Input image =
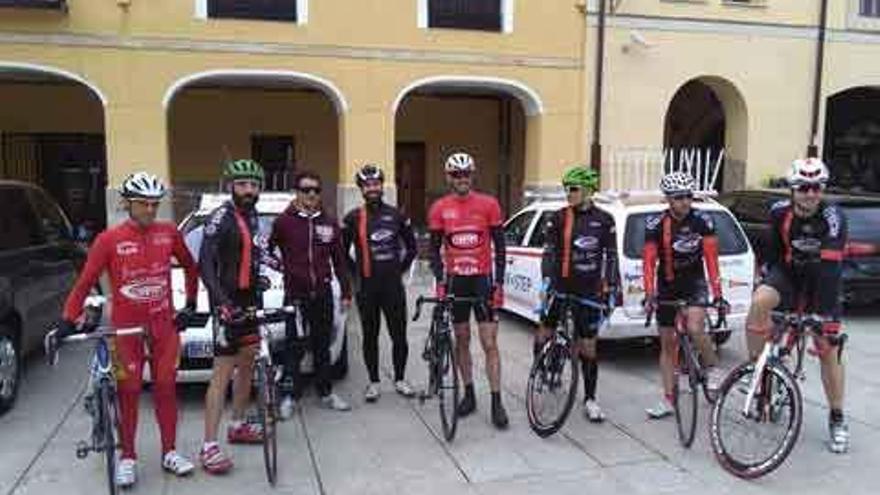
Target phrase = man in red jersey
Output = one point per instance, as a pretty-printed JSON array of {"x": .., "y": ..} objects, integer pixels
[
  {"x": 137, "y": 256},
  {"x": 467, "y": 224}
]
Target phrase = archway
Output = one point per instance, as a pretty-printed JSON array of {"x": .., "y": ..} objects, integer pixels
[{"x": 852, "y": 139}]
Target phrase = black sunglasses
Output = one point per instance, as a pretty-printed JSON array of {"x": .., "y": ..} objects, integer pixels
[
  {"x": 679, "y": 197},
  {"x": 460, "y": 174},
  {"x": 805, "y": 188},
  {"x": 573, "y": 189},
  {"x": 310, "y": 190}
]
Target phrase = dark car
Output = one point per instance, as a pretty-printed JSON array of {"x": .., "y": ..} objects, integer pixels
[
  {"x": 39, "y": 260},
  {"x": 861, "y": 268}
]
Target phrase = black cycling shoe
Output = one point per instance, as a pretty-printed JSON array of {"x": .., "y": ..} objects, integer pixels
[
  {"x": 467, "y": 405},
  {"x": 499, "y": 415}
]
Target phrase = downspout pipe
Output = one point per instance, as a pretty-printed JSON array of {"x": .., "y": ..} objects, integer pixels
[
  {"x": 596, "y": 144},
  {"x": 813, "y": 148}
]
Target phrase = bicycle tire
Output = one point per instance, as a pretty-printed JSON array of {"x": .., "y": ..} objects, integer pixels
[
  {"x": 777, "y": 378},
  {"x": 107, "y": 411},
  {"x": 447, "y": 383},
  {"x": 685, "y": 400},
  {"x": 552, "y": 359},
  {"x": 268, "y": 419}
]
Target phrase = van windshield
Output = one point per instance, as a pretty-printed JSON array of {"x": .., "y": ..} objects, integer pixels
[{"x": 731, "y": 240}]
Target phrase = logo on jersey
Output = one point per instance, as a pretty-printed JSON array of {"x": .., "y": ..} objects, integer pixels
[
  {"x": 466, "y": 240},
  {"x": 127, "y": 248},
  {"x": 145, "y": 290},
  {"x": 833, "y": 219},
  {"x": 586, "y": 243},
  {"x": 687, "y": 244},
  {"x": 324, "y": 233},
  {"x": 162, "y": 240},
  {"x": 807, "y": 246},
  {"x": 381, "y": 235}
]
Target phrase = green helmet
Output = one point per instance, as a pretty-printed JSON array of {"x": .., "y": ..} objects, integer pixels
[
  {"x": 243, "y": 169},
  {"x": 581, "y": 176}
]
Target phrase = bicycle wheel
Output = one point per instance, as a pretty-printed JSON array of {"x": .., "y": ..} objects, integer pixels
[
  {"x": 106, "y": 408},
  {"x": 685, "y": 392},
  {"x": 268, "y": 419},
  {"x": 448, "y": 388},
  {"x": 753, "y": 444},
  {"x": 551, "y": 388}
]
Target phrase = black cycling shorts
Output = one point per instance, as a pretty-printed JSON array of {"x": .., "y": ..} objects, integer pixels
[
  {"x": 586, "y": 318},
  {"x": 793, "y": 292},
  {"x": 694, "y": 291},
  {"x": 476, "y": 286},
  {"x": 238, "y": 336}
]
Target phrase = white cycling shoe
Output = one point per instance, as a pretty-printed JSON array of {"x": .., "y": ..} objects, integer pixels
[
  {"x": 177, "y": 464},
  {"x": 126, "y": 473}
]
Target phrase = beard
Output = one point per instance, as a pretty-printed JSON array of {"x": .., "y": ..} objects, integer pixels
[
  {"x": 373, "y": 198},
  {"x": 245, "y": 201}
]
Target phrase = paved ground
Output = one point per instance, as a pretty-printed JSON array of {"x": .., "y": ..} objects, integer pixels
[{"x": 394, "y": 446}]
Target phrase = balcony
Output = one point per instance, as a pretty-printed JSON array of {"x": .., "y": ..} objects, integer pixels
[
  {"x": 264, "y": 10},
  {"x": 35, "y": 4}
]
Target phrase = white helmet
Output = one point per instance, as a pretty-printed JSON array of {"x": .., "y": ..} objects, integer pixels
[
  {"x": 807, "y": 171},
  {"x": 459, "y": 162},
  {"x": 142, "y": 185},
  {"x": 677, "y": 183}
]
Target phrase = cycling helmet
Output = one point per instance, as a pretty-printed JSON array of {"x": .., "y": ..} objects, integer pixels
[
  {"x": 675, "y": 183},
  {"x": 369, "y": 172},
  {"x": 581, "y": 176},
  {"x": 142, "y": 185},
  {"x": 807, "y": 171},
  {"x": 244, "y": 169},
  {"x": 459, "y": 162}
]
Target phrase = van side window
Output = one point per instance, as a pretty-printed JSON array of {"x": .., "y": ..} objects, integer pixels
[
  {"x": 539, "y": 235},
  {"x": 53, "y": 226},
  {"x": 17, "y": 220},
  {"x": 516, "y": 228}
]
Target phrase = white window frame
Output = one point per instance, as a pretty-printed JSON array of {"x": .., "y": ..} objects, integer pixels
[
  {"x": 855, "y": 20},
  {"x": 302, "y": 11},
  {"x": 506, "y": 15}
]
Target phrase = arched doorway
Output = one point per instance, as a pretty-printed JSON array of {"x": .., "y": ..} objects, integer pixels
[
  {"x": 852, "y": 139},
  {"x": 288, "y": 121},
  {"x": 52, "y": 134},
  {"x": 486, "y": 117},
  {"x": 706, "y": 122}
]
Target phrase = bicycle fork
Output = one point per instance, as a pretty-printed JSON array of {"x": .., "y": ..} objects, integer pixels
[{"x": 758, "y": 372}]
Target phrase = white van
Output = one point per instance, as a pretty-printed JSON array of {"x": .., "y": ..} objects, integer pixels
[{"x": 524, "y": 232}]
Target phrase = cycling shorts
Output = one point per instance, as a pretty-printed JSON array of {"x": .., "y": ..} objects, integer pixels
[{"x": 472, "y": 286}]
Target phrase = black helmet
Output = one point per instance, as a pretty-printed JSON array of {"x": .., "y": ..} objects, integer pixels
[{"x": 369, "y": 172}]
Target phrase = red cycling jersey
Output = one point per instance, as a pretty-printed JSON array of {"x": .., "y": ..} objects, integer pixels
[
  {"x": 466, "y": 223},
  {"x": 138, "y": 261}
]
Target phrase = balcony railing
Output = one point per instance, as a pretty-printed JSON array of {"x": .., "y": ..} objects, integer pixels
[
  {"x": 869, "y": 8},
  {"x": 266, "y": 10},
  {"x": 35, "y": 4}
]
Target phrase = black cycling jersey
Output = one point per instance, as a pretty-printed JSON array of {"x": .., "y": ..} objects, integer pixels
[
  {"x": 580, "y": 251},
  {"x": 385, "y": 245},
  {"x": 229, "y": 241},
  {"x": 809, "y": 252}
]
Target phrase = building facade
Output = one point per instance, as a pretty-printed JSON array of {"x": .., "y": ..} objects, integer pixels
[{"x": 91, "y": 90}]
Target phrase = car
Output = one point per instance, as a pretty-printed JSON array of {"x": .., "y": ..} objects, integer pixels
[
  {"x": 39, "y": 261},
  {"x": 861, "y": 265},
  {"x": 197, "y": 343},
  {"x": 524, "y": 233}
]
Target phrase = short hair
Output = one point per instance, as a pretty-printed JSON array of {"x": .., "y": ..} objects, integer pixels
[{"x": 306, "y": 174}]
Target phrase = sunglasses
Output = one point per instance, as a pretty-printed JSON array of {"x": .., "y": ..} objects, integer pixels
[
  {"x": 310, "y": 190},
  {"x": 459, "y": 174},
  {"x": 807, "y": 188},
  {"x": 146, "y": 203},
  {"x": 680, "y": 197},
  {"x": 573, "y": 189}
]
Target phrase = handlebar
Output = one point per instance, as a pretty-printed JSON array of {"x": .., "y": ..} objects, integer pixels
[
  {"x": 679, "y": 304},
  {"x": 443, "y": 301},
  {"x": 256, "y": 316},
  {"x": 104, "y": 332}
]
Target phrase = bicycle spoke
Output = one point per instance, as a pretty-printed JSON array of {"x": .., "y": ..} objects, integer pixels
[{"x": 551, "y": 389}]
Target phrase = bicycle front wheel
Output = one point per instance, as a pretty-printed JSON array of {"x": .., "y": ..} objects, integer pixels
[
  {"x": 448, "y": 387},
  {"x": 685, "y": 393},
  {"x": 108, "y": 419},
  {"x": 752, "y": 442},
  {"x": 267, "y": 392},
  {"x": 551, "y": 388}
]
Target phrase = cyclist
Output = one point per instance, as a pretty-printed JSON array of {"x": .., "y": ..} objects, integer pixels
[
  {"x": 229, "y": 260},
  {"x": 804, "y": 260},
  {"x": 137, "y": 256},
  {"x": 580, "y": 258},
  {"x": 310, "y": 242},
  {"x": 677, "y": 243},
  {"x": 384, "y": 249},
  {"x": 466, "y": 224}
]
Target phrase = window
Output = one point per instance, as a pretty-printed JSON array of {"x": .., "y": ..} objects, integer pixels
[
  {"x": 35, "y": 4},
  {"x": 275, "y": 154},
  {"x": 540, "y": 233},
  {"x": 17, "y": 221},
  {"x": 869, "y": 8},
  {"x": 53, "y": 225},
  {"x": 483, "y": 15},
  {"x": 267, "y": 10},
  {"x": 730, "y": 238},
  {"x": 516, "y": 229}
]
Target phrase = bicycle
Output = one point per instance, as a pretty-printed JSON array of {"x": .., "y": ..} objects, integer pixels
[
  {"x": 100, "y": 402},
  {"x": 761, "y": 396},
  {"x": 439, "y": 354},
  {"x": 548, "y": 370},
  {"x": 685, "y": 400},
  {"x": 268, "y": 375}
]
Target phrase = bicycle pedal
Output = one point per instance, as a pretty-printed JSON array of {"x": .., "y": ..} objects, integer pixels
[
  {"x": 82, "y": 450},
  {"x": 423, "y": 396}
]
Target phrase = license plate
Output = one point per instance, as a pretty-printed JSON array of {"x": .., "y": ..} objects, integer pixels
[{"x": 199, "y": 350}]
